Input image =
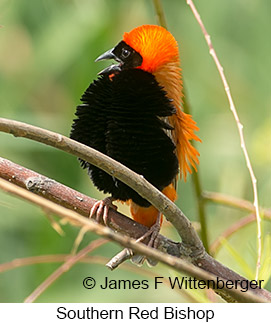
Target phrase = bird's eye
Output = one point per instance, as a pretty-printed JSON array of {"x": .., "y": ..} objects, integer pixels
[{"x": 125, "y": 53}]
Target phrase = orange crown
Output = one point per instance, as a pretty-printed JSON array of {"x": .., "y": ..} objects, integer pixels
[{"x": 155, "y": 44}]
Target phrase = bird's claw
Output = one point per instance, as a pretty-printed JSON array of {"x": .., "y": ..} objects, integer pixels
[
  {"x": 153, "y": 232},
  {"x": 100, "y": 209}
]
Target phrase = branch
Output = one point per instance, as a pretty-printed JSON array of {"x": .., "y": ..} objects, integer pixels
[
  {"x": 198, "y": 191},
  {"x": 258, "y": 295},
  {"x": 240, "y": 129},
  {"x": 75, "y": 200},
  {"x": 172, "y": 213},
  {"x": 160, "y": 13},
  {"x": 215, "y": 246},
  {"x": 235, "y": 202},
  {"x": 190, "y": 251},
  {"x": 90, "y": 259}
]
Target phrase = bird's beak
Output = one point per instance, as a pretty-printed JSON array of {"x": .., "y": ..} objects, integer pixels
[
  {"x": 107, "y": 55},
  {"x": 112, "y": 68}
]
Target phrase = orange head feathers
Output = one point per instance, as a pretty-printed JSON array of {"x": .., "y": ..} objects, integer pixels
[{"x": 155, "y": 44}]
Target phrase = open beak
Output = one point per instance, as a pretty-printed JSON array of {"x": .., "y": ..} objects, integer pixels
[{"x": 112, "y": 68}]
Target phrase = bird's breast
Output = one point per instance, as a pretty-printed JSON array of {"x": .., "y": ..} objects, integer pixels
[{"x": 123, "y": 117}]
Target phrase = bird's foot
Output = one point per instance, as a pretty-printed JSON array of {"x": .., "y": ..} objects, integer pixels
[
  {"x": 99, "y": 210},
  {"x": 153, "y": 233},
  {"x": 137, "y": 259}
]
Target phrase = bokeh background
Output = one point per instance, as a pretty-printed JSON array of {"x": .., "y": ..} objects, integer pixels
[{"x": 47, "y": 53}]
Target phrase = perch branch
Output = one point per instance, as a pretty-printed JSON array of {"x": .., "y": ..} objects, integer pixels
[
  {"x": 20, "y": 176},
  {"x": 172, "y": 213},
  {"x": 73, "y": 200},
  {"x": 240, "y": 129},
  {"x": 259, "y": 295}
]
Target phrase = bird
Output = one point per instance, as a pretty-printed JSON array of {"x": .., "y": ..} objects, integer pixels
[{"x": 133, "y": 113}]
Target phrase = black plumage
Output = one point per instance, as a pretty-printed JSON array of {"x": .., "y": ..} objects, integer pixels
[{"x": 124, "y": 117}]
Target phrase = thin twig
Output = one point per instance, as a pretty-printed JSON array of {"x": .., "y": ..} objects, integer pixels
[
  {"x": 21, "y": 262},
  {"x": 160, "y": 13},
  {"x": 27, "y": 261},
  {"x": 118, "y": 259},
  {"x": 215, "y": 246},
  {"x": 240, "y": 129},
  {"x": 235, "y": 202},
  {"x": 63, "y": 268},
  {"x": 198, "y": 190},
  {"x": 195, "y": 175},
  {"x": 78, "y": 240},
  {"x": 41, "y": 259}
]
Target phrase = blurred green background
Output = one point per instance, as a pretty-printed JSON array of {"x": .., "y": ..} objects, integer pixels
[{"x": 47, "y": 53}]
